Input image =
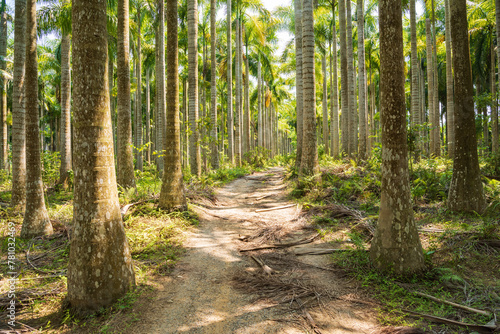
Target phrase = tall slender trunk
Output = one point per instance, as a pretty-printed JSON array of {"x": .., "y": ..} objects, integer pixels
[
  {"x": 125, "y": 154},
  {"x": 3, "y": 89},
  {"x": 172, "y": 190},
  {"x": 344, "y": 79},
  {"x": 424, "y": 134},
  {"x": 435, "y": 121},
  {"x": 430, "y": 88},
  {"x": 415, "y": 99},
  {"x": 36, "y": 219},
  {"x": 204, "y": 113},
  {"x": 148, "y": 116},
  {"x": 334, "y": 104},
  {"x": 246, "y": 123},
  {"x": 100, "y": 269},
  {"x": 213, "y": 87},
  {"x": 65, "y": 138},
  {"x": 396, "y": 245},
  {"x": 494, "y": 114},
  {"x": 299, "y": 90},
  {"x": 466, "y": 189},
  {"x": 138, "y": 100},
  {"x": 450, "y": 118},
  {"x": 230, "y": 121},
  {"x": 18, "y": 110},
  {"x": 160, "y": 86},
  {"x": 351, "y": 72},
  {"x": 237, "y": 103},
  {"x": 309, "y": 161},
  {"x": 325, "y": 104},
  {"x": 194, "y": 139},
  {"x": 361, "y": 81},
  {"x": 260, "y": 121}
]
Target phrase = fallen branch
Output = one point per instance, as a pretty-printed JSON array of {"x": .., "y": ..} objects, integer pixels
[
  {"x": 262, "y": 197},
  {"x": 265, "y": 268},
  {"x": 463, "y": 307},
  {"x": 477, "y": 328},
  {"x": 284, "y": 245},
  {"x": 318, "y": 251},
  {"x": 276, "y": 208}
]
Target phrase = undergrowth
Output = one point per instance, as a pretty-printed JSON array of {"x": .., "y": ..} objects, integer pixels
[{"x": 461, "y": 250}]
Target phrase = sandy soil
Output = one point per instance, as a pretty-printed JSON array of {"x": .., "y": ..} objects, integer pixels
[{"x": 201, "y": 295}]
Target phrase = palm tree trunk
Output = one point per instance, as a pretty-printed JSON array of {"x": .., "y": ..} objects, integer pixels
[
  {"x": 325, "y": 104},
  {"x": 213, "y": 87},
  {"x": 334, "y": 104},
  {"x": 194, "y": 139},
  {"x": 246, "y": 123},
  {"x": 344, "y": 78},
  {"x": 466, "y": 190},
  {"x": 138, "y": 100},
  {"x": 65, "y": 138},
  {"x": 361, "y": 81},
  {"x": 309, "y": 161},
  {"x": 494, "y": 107},
  {"x": 415, "y": 100},
  {"x": 230, "y": 121},
  {"x": 237, "y": 104},
  {"x": 3, "y": 89},
  {"x": 160, "y": 88},
  {"x": 435, "y": 121},
  {"x": 450, "y": 118},
  {"x": 18, "y": 111},
  {"x": 125, "y": 154},
  {"x": 299, "y": 90},
  {"x": 430, "y": 89},
  {"x": 351, "y": 72},
  {"x": 36, "y": 220},
  {"x": 172, "y": 191},
  {"x": 148, "y": 117},
  {"x": 396, "y": 245},
  {"x": 260, "y": 120},
  {"x": 494, "y": 115},
  {"x": 100, "y": 269}
]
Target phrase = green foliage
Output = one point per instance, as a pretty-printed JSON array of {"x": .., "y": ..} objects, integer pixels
[
  {"x": 51, "y": 161},
  {"x": 431, "y": 180},
  {"x": 257, "y": 157}
]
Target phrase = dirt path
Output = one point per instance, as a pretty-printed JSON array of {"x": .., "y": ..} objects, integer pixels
[{"x": 201, "y": 295}]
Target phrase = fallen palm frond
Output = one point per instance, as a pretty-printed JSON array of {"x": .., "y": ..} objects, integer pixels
[
  {"x": 335, "y": 211},
  {"x": 463, "y": 307},
  {"x": 283, "y": 245},
  {"x": 265, "y": 268}
]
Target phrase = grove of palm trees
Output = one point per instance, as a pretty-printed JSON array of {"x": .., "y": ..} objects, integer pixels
[{"x": 249, "y": 166}]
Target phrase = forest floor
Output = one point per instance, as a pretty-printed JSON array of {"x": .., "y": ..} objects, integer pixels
[{"x": 217, "y": 288}]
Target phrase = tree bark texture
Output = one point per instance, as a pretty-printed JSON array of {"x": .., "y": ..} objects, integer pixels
[
  {"x": 237, "y": 103},
  {"x": 362, "y": 81},
  {"x": 415, "y": 99},
  {"x": 36, "y": 220},
  {"x": 450, "y": 118},
  {"x": 351, "y": 72},
  {"x": 298, "y": 81},
  {"x": 172, "y": 191},
  {"x": 4, "y": 154},
  {"x": 496, "y": 143},
  {"x": 430, "y": 85},
  {"x": 213, "y": 87},
  {"x": 334, "y": 104},
  {"x": 138, "y": 101},
  {"x": 18, "y": 199},
  {"x": 100, "y": 265},
  {"x": 194, "y": 139},
  {"x": 125, "y": 153},
  {"x": 325, "y": 104},
  {"x": 230, "y": 120},
  {"x": 466, "y": 190},
  {"x": 344, "y": 79},
  {"x": 65, "y": 134},
  {"x": 396, "y": 244},
  {"x": 309, "y": 161}
]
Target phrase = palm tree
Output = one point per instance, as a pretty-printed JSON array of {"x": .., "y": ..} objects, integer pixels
[
  {"x": 298, "y": 82},
  {"x": 125, "y": 155},
  {"x": 430, "y": 83},
  {"x": 334, "y": 104},
  {"x": 172, "y": 191},
  {"x": 396, "y": 244},
  {"x": 160, "y": 83},
  {"x": 415, "y": 100},
  {"x": 194, "y": 139},
  {"x": 36, "y": 220},
  {"x": 324, "y": 103},
  {"x": 230, "y": 121},
  {"x": 18, "y": 111},
  {"x": 450, "y": 118},
  {"x": 466, "y": 190},
  {"x": 494, "y": 134},
  {"x": 138, "y": 100},
  {"x": 3, "y": 87},
  {"x": 237, "y": 102},
  {"x": 362, "y": 82},
  {"x": 309, "y": 162},
  {"x": 351, "y": 72},
  {"x": 100, "y": 266},
  {"x": 213, "y": 86},
  {"x": 344, "y": 78}
]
